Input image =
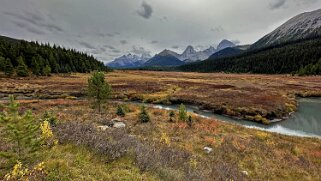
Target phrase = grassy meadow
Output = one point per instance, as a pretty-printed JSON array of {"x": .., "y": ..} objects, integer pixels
[{"x": 162, "y": 149}]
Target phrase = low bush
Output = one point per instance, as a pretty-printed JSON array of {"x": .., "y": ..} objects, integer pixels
[
  {"x": 120, "y": 111},
  {"x": 143, "y": 115},
  {"x": 167, "y": 162}
]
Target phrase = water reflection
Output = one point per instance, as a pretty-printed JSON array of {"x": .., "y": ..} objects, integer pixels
[{"x": 305, "y": 122}]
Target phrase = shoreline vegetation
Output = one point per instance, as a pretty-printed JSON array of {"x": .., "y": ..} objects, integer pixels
[
  {"x": 259, "y": 98},
  {"x": 133, "y": 142},
  {"x": 165, "y": 150}
]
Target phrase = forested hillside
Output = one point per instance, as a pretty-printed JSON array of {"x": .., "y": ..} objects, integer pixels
[
  {"x": 296, "y": 57},
  {"x": 22, "y": 57}
]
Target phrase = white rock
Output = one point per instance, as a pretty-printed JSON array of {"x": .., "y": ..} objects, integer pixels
[
  {"x": 208, "y": 149},
  {"x": 245, "y": 172},
  {"x": 119, "y": 125},
  {"x": 103, "y": 128}
]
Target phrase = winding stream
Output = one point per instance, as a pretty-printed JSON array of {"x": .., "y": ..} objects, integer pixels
[{"x": 306, "y": 122}]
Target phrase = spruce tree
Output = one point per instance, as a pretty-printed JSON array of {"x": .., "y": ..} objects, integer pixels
[
  {"x": 22, "y": 69},
  {"x": 182, "y": 112},
  {"x": 35, "y": 66},
  {"x": 98, "y": 89},
  {"x": 143, "y": 115},
  {"x": 20, "y": 131},
  {"x": 8, "y": 68},
  {"x": 2, "y": 63},
  {"x": 46, "y": 70},
  {"x": 120, "y": 111},
  {"x": 171, "y": 116},
  {"x": 190, "y": 121}
]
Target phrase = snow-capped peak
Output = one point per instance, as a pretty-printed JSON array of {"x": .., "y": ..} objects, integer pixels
[
  {"x": 129, "y": 60},
  {"x": 302, "y": 26},
  {"x": 225, "y": 44},
  {"x": 189, "y": 50},
  {"x": 168, "y": 52}
]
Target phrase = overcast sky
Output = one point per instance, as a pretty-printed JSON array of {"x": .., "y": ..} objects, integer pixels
[{"x": 110, "y": 28}]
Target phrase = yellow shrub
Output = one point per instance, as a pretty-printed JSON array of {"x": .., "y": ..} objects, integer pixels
[
  {"x": 20, "y": 173},
  {"x": 165, "y": 139},
  {"x": 47, "y": 135}
]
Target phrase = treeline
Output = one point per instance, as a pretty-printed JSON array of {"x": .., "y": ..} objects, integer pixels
[
  {"x": 300, "y": 57},
  {"x": 22, "y": 58},
  {"x": 311, "y": 69}
]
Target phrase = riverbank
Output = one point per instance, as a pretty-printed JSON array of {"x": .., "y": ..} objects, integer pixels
[
  {"x": 238, "y": 153},
  {"x": 258, "y": 98},
  {"x": 305, "y": 122}
]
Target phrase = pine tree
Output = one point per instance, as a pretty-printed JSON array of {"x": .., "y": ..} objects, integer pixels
[
  {"x": 2, "y": 63},
  {"x": 120, "y": 111},
  {"x": 53, "y": 63},
  {"x": 143, "y": 115},
  {"x": 190, "y": 121},
  {"x": 22, "y": 69},
  {"x": 8, "y": 68},
  {"x": 35, "y": 66},
  {"x": 46, "y": 70},
  {"x": 19, "y": 130},
  {"x": 182, "y": 112},
  {"x": 171, "y": 116},
  {"x": 98, "y": 89}
]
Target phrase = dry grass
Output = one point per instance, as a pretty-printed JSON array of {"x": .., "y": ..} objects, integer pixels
[
  {"x": 265, "y": 156},
  {"x": 252, "y": 97}
]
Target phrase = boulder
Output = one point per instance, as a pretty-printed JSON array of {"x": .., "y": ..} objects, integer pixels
[
  {"x": 119, "y": 125},
  {"x": 245, "y": 172},
  {"x": 103, "y": 128},
  {"x": 208, "y": 149}
]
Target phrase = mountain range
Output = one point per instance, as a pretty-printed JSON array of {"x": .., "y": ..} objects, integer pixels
[
  {"x": 189, "y": 55},
  {"x": 278, "y": 45},
  {"x": 129, "y": 61},
  {"x": 294, "y": 47},
  {"x": 165, "y": 58}
]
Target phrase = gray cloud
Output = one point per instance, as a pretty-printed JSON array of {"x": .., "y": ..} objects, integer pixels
[
  {"x": 217, "y": 29},
  {"x": 116, "y": 51},
  {"x": 101, "y": 35},
  {"x": 102, "y": 49},
  {"x": 106, "y": 34},
  {"x": 154, "y": 42},
  {"x": 139, "y": 50},
  {"x": 163, "y": 19},
  {"x": 96, "y": 52},
  {"x": 28, "y": 28},
  {"x": 145, "y": 10},
  {"x": 236, "y": 42},
  {"x": 116, "y": 25},
  {"x": 86, "y": 45},
  {"x": 109, "y": 47},
  {"x": 36, "y": 20},
  {"x": 123, "y": 42},
  {"x": 275, "y": 4},
  {"x": 110, "y": 34}
]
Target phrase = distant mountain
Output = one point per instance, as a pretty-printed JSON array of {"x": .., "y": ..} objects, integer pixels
[
  {"x": 210, "y": 51},
  {"x": 166, "y": 58},
  {"x": 305, "y": 25},
  {"x": 225, "y": 44},
  {"x": 227, "y": 52},
  {"x": 129, "y": 61},
  {"x": 169, "y": 53},
  {"x": 301, "y": 56},
  {"x": 190, "y": 55}
]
